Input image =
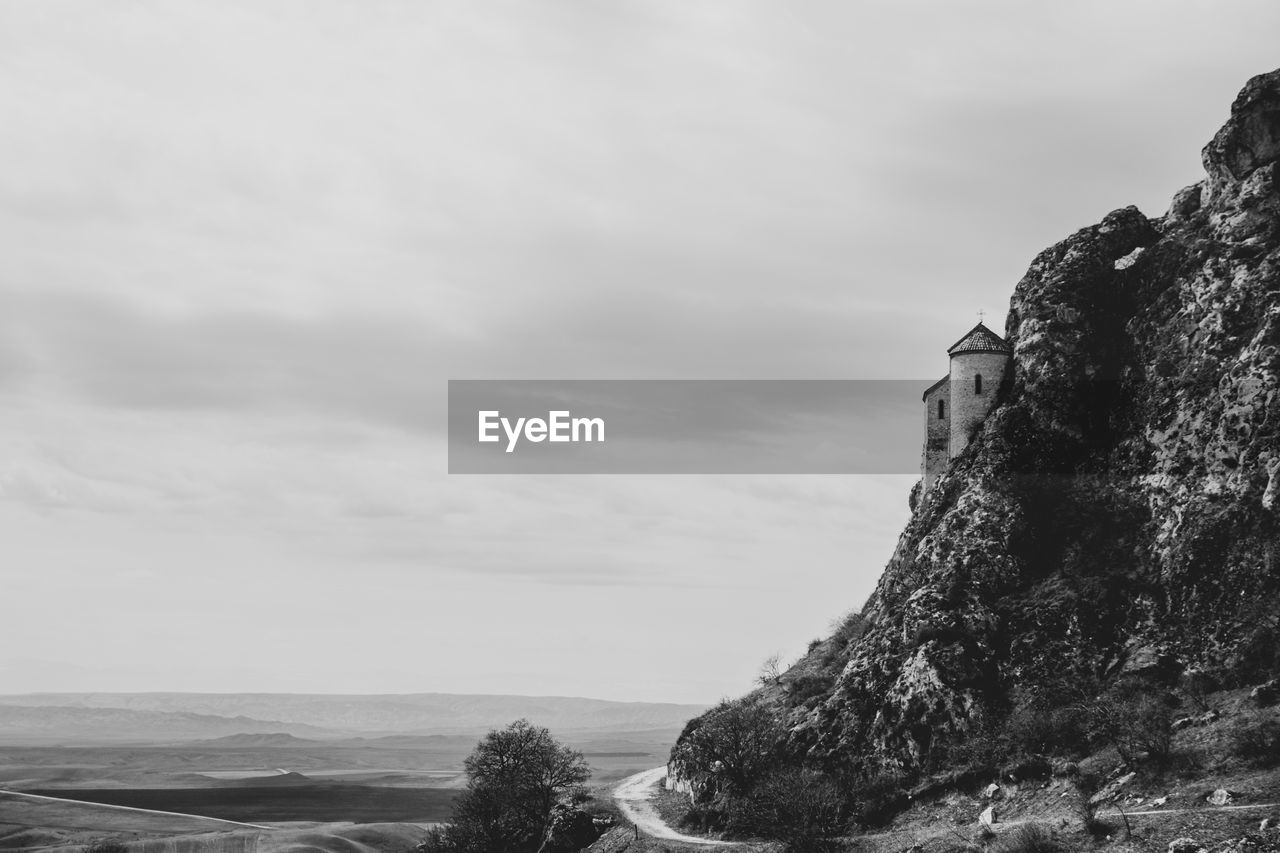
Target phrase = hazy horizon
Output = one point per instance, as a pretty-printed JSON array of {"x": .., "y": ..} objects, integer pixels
[
  {"x": 247, "y": 245},
  {"x": 307, "y": 693}
]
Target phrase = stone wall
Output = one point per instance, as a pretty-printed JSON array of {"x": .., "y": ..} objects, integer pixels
[{"x": 937, "y": 433}]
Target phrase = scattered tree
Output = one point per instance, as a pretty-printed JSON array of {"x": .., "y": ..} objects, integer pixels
[{"x": 515, "y": 775}]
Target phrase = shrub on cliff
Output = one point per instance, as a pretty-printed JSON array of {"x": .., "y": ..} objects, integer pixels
[
  {"x": 1258, "y": 743},
  {"x": 878, "y": 798},
  {"x": 1052, "y": 719},
  {"x": 809, "y": 686},
  {"x": 1137, "y": 719},
  {"x": 802, "y": 809},
  {"x": 733, "y": 746}
]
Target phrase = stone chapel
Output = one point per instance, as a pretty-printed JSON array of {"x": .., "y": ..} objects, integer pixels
[{"x": 956, "y": 405}]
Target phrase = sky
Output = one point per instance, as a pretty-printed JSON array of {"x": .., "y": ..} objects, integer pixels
[{"x": 245, "y": 245}]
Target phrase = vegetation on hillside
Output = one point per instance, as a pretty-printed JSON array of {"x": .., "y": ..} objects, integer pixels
[
  {"x": 516, "y": 776},
  {"x": 1100, "y": 559}
]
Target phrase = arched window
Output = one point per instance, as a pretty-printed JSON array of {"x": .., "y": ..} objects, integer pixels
[
  {"x": 977, "y": 383},
  {"x": 942, "y": 409}
]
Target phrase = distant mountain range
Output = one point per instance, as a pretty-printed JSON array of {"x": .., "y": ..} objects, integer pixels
[
  {"x": 243, "y": 740},
  {"x": 21, "y": 724},
  {"x": 170, "y": 717}
]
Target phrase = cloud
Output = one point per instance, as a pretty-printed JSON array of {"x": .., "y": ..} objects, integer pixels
[{"x": 246, "y": 244}]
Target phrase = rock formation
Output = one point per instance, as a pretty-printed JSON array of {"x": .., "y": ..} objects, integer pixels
[{"x": 1118, "y": 510}]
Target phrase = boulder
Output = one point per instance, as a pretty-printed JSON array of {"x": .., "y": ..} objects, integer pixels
[
  {"x": 1245, "y": 844},
  {"x": 991, "y": 791},
  {"x": 616, "y": 840},
  {"x": 1265, "y": 695},
  {"x": 1220, "y": 797},
  {"x": 988, "y": 817},
  {"x": 569, "y": 830},
  {"x": 1111, "y": 790}
]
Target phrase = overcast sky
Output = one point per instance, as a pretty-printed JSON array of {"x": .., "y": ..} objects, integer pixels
[{"x": 244, "y": 245}]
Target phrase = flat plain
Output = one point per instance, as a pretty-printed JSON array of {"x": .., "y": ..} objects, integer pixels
[{"x": 346, "y": 795}]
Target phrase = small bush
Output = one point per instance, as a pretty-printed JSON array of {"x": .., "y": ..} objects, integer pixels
[
  {"x": 437, "y": 841},
  {"x": 807, "y": 687},
  {"x": 801, "y": 808},
  {"x": 1258, "y": 743},
  {"x": 1136, "y": 718},
  {"x": 983, "y": 752},
  {"x": 879, "y": 797},
  {"x": 1054, "y": 731},
  {"x": 1097, "y": 827},
  {"x": 1027, "y": 768},
  {"x": 1185, "y": 763},
  {"x": 1086, "y": 783},
  {"x": 605, "y": 809},
  {"x": 1196, "y": 685},
  {"x": 851, "y": 626},
  {"x": 1031, "y": 838},
  {"x": 107, "y": 845}
]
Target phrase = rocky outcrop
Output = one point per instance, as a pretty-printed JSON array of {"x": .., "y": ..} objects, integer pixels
[
  {"x": 1118, "y": 511},
  {"x": 616, "y": 840},
  {"x": 571, "y": 829}
]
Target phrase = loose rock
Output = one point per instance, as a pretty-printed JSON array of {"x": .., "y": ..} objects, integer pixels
[
  {"x": 1265, "y": 695},
  {"x": 1185, "y": 845},
  {"x": 1220, "y": 797}
]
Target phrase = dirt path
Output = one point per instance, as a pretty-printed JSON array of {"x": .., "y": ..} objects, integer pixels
[
  {"x": 1201, "y": 809},
  {"x": 633, "y": 795}
]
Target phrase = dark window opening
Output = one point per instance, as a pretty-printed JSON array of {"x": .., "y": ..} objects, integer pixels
[
  {"x": 977, "y": 383},
  {"x": 942, "y": 409}
]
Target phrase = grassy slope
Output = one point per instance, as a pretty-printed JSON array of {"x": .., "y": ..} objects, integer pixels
[
  {"x": 27, "y": 824},
  {"x": 257, "y": 804},
  {"x": 30, "y": 823}
]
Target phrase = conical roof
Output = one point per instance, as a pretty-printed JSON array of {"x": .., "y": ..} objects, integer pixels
[{"x": 979, "y": 339}]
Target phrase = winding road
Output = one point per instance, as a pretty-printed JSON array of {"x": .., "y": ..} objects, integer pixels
[{"x": 633, "y": 795}]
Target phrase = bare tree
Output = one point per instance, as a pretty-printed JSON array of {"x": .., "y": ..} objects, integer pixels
[{"x": 771, "y": 669}]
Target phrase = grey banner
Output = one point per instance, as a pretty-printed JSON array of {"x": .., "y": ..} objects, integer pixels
[{"x": 685, "y": 426}]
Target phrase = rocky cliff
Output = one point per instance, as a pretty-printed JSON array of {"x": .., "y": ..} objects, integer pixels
[{"x": 1118, "y": 511}]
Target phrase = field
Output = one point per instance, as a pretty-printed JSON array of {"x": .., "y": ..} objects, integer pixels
[
  {"x": 270, "y": 804},
  {"x": 28, "y": 824},
  {"x": 261, "y": 793}
]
